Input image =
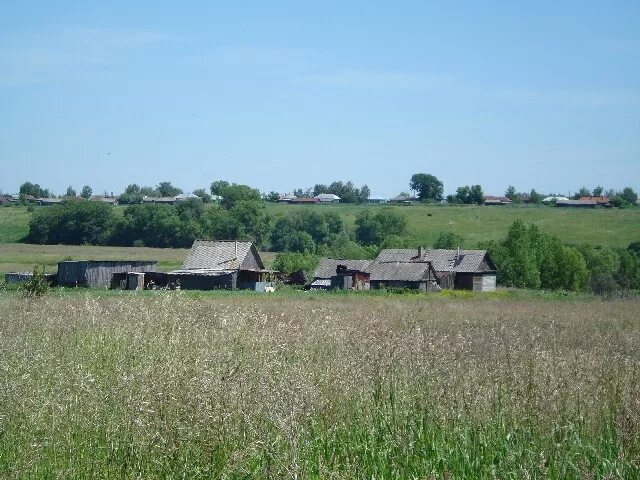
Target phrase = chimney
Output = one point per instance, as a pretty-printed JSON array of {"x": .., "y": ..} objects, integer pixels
[
  {"x": 420, "y": 252},
  {"x": 458, "y": 255}
]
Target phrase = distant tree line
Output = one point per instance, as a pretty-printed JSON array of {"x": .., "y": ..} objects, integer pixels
[
  {"x": 240, "y": 215},
  {"x": 427, "y": 187}
]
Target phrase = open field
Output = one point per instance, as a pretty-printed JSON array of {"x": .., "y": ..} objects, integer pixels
[
  {"x": 164, "y": 385},
  {"x": 611, "y": 227}
]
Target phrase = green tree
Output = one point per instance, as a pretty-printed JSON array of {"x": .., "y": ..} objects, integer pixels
[
  {"x": 272, "y": 197},
  {"x": 291, "y": 262},
  {"x": 234, "y": 193},
  {"x": 374, "y": 228},
  {"x": 476, "y": 195},
  {"x": 153, "y": 226},
  {"x": 202, "y": 193},
  {"x": 33, "y": 189},
  {"x": 510, "y": 193},
  {"x": 535, "y": 197},
  {"x": 629, "y": 195},
  {"x": 255, "y": 222},
  {"x": 70, "y": 192},
  {"x": 86, "y": 192},
  {"x": 342, "y": 246},
  {"x": 448, "y": 241},
  {"x": 165, "y": 189},
  {"x": 428, "y": 186},
  {"x": 521, "y": 264},
  {"x": 301, "y": 242},
  {"x": 321, "y": 226},
  {"x": 583, "y": 192},
  {"x": 628, "y": 274},
  {"x": 73, "y": 223},
  {"x": 598, "y": 191},
  {"x": 217, "y": 187}
]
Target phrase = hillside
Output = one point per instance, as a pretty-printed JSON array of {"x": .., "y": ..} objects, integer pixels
[{"x": 611, "y": 227}]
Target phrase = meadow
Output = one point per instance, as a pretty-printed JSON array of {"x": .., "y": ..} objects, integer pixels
[{"x": 314, "y": 385}]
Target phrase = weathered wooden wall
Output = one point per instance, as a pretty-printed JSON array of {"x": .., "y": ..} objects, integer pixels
[{"x": 89, "y": 273}]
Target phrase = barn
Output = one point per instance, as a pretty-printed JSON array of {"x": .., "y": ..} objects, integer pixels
[{"x": 97, "y": 273}]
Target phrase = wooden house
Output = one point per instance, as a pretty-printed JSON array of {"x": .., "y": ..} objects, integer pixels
[
  {"x": 342, "y": 274},
  {"x": 459, "y": 269},
  {"x": 222, "y": 264}
]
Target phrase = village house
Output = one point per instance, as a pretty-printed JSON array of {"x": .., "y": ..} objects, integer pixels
[
  {"x": 459, "y": 269},
  {"x": 577, "y": 203},
  {"x": 601, "y": 200},
  {"x": 328, "y": 198},
  {"x": 415, "y": 275},
  {"x": 492, "y": 200},
  {"x": 159, "y": 200},
  {"x": 218, "y": 265},
  {"x": 341, "y": 274},
  {"x": 404, "y": 199}
]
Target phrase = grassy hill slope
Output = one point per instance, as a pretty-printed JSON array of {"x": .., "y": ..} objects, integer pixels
[{"x": 612, "y": 227}]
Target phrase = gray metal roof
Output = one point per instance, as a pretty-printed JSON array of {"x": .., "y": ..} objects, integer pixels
[
  {"x": 327, "y": 266},
  {"x": 216, "y": 255},
  {"x": 399, "y": 271},
  {"x": 442, "y": 260}
]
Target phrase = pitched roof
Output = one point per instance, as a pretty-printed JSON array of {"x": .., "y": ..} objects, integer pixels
[
  {"x": 218, "y": 255},
  {"x": 600, "y": 199},
  {"x": 403, "y": 197},
  {"x": 407, "y": 271},
  {"x": 327, "y": 197},
  {"x": 441, "y": 259},
  {"x": 327, "y": 266}
]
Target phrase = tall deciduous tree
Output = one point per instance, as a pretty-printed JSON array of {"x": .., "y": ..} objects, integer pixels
[
  {"x": 428, "y": 187},
  {"x": 86, "y": 192}
]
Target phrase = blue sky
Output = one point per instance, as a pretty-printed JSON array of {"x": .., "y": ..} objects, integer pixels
[{"x": 281, "y": 95}]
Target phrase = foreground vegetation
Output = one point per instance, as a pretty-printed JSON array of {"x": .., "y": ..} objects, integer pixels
[{"x": 318, "y": 386}]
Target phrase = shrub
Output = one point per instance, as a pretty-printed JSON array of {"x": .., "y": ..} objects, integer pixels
[
  {"x": 38, "y": 284},
  {"x": 290, "y": 262},
  {"x": 448, "y": 240}
]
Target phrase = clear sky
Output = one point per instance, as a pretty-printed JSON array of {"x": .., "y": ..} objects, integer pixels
[{"x": 281, "y": 95}]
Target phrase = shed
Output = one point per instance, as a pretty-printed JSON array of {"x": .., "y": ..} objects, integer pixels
[{"x": 98, "y": 273}]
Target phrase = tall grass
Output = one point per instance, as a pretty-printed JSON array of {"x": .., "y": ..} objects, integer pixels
[{"x": 168, "y": 386}]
